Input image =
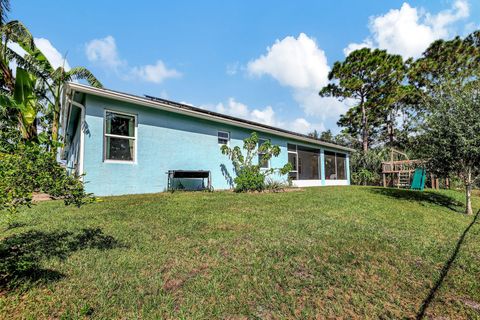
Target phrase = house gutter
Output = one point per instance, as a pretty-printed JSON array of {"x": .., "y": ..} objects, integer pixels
[
  {"x": 165, "y": 107},
  {"x": 82, "y": 135}
]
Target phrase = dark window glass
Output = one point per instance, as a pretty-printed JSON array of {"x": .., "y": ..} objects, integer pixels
[
  {"x": 292, "y": 176},
  {"x": 223, "y": 137},
  {"x": 119, "y": 149},
  {"x": 263, "y": 163},
  {"x": 291, "y": 147},
  {"x": 330, "y": 169},
  {"x": 119, "y": 136},
  {"x": 309, "y": 165},
  {"x": 120, "y": 125},
  {"x": 341, "y": 166},
  {"x": 292, "y": 159}
]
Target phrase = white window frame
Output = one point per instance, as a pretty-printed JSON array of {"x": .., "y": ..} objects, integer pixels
[
  {"x": 296, "y": 162},
  {"x": 228, "y": 141},
  {"x": 268, "y": 162},
  {"x": 134, "y": 138}
]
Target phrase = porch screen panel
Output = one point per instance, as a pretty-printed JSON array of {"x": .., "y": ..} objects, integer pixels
[
  {"x": 341, "y": 166},
  {"x": 308, "y": 168},
  {"x": 330, "y": 168}
]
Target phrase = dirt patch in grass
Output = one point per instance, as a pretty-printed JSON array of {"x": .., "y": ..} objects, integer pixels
[{"x": 40, "y": 197}]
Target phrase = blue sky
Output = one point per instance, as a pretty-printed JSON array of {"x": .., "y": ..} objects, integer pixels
[{"x": 260, "y": 60}]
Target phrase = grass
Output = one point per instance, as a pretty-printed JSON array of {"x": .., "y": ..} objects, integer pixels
[{"x": 351, "y": 252}]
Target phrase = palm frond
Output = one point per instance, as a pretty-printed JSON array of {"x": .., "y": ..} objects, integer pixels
[
  {"x": 82, "y": 73},
  {"x": 17, "y": 32},
  {"x": 27, "y": 62}
]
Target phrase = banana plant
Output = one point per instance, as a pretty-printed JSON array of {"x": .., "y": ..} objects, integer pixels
[
  {"x": 53, "y": 80},
  {"x": 49, "y": 80},
  {"x": 25, "y": 102}
]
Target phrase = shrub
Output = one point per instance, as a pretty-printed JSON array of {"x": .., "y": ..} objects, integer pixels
[
  {"x": 365, "y": 177},
  {"x": 276, "y": 185},
  {"x": 367, "y": 166},
  {"x": 30, "y": 168},
  {"x": 251, "y": 177}
]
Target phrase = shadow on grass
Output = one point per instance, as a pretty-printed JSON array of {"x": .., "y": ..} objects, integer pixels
[
  {"x": 446, "y": 267},
  {"x": 421, "y": 197},
  {"x": 21, "y": 254}
]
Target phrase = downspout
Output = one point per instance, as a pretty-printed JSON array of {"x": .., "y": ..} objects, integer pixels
[{"x": 82, "y": 135}]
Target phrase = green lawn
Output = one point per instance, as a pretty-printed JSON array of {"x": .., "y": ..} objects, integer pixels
[{"x": 351, "y": 252}]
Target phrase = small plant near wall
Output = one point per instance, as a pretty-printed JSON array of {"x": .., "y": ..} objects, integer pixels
[{"x": 250, "y": 176}]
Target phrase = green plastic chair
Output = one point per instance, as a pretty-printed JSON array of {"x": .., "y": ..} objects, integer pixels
[{"x": 418, "y": 181}]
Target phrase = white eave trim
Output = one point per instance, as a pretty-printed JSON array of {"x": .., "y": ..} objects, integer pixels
[{"x": 158, "y": 105}]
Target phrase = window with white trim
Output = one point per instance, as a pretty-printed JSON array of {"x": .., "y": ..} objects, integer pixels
[
  {"x": 264, "y": 164},
  {"x": 223, "y": 137},
  {"x": 119, "y": 139}
]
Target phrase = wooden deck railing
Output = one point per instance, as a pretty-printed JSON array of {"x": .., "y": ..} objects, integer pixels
[{"x": 400, "y": 166}]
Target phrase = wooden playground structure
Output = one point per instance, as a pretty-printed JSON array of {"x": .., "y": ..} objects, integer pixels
[{"x": 398, "y": 172}]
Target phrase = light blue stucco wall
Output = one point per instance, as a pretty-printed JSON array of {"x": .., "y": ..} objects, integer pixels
[{"x": 165, "y": 141}]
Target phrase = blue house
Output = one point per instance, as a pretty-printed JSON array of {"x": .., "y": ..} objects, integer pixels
[{"x": 126, "y": 144}]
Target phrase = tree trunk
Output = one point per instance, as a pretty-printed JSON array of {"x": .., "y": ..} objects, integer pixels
[
  {"x": 56, "y": 114},
  {"x": 468, "y": 193},
  {"x": 391, "y": 130},
  {"x": 364, "y": 126}
]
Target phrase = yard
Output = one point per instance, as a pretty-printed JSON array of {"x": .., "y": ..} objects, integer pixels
[{"x": 351, "y": 252}]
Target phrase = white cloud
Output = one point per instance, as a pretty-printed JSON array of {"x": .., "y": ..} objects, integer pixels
[
  {"x": 105, "y": 53},
  {"x": 155, "y": 73},
  {"x": 55, "y": 58},
  {"x": 294, "y": 62},
  {"x": 265, "y": 116},
  {"x": 408, "y": 31},
  {"x": 233, "y": 108},
  {"x": 300, "y": 64},
  {"x": 356, "y": 46},
  {"x": 324, "y": 108},
  {"x": 301, "y": 125},
  {"x": 237, "y": 109}
]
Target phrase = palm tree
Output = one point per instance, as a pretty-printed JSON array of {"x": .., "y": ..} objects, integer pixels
[
  {"x": 45, "y": 82},
  {"x": 52, "y": 80},
  {"x": 58, "y": 78}
]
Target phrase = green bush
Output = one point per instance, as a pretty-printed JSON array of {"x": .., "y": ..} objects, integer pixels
[
  {"x": 251, "y": 177},
  {"x": 367, "y": 166},
  {"x": 365, "y": 177},
  {"x": 30, "y": 168}
]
